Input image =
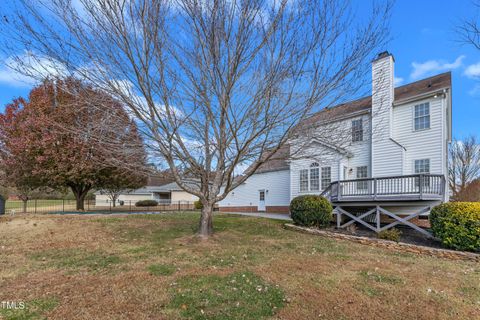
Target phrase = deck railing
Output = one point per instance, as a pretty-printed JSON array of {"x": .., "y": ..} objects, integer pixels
[{"x": 409, "y": 187}]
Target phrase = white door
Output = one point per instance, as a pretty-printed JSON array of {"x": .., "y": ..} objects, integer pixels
[{"x": 261, "y": 200}]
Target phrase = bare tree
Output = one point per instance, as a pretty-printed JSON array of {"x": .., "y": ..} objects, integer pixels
[
  {"x": 214, "y": 85},
  {"x": 464, "y": 164},
  {"x": 469, "y": 29}
]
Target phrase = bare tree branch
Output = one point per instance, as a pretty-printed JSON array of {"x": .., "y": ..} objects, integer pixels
[{"x": 213, "y": 85}]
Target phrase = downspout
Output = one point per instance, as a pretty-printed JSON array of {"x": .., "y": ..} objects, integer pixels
[{"x": 403, "y": 153}]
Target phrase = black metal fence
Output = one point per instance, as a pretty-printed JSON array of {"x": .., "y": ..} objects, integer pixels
[{"x": 91, "y": 206}]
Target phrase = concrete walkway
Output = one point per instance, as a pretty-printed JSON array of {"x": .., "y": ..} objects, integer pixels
[{"x": 277, "y": 216}]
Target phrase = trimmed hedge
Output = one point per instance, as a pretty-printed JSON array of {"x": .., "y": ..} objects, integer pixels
[
  {"x": 146, "y": 203},
  {"x": 311, "y": 211},
  {"x": 457, "y": 225},
  {"x": 198, "y": 205}
]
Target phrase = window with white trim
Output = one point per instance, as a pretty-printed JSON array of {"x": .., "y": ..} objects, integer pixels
[
  {"x": 326, "y": 177},
  {"x": 422, "y": 116},
  {"x": 357, "y": 130},
  {"x": 422, "y": 166},
  {"x": 362, "y": 172},
  {"x": 304, "y": 180},
  {"x": 314, "y": 177}
]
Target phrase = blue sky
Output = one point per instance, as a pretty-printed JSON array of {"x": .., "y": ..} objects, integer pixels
[{"x": 423, "y": 43}]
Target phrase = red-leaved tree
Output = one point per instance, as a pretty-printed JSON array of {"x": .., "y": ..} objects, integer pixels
[{"x": 67, "y": 135}]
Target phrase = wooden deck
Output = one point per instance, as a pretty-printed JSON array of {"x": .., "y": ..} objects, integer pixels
[{"x": 421, "y": 187}]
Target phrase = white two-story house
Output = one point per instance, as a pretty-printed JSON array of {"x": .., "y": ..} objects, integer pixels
[{"x": 387, "y": 149}]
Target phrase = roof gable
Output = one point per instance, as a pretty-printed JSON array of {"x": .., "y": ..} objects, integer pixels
[{"x": 408, "y": 91}]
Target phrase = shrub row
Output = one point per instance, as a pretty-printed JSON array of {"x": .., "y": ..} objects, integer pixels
[
  {"x": 146, "y": 203},
  {"x": 456, "y": 224}
]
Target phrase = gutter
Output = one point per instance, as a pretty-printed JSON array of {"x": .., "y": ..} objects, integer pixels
[{"x": 441, "y": 91}]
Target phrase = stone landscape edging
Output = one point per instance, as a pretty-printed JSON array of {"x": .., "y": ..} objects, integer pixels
[{"x": 405, "y": 247}]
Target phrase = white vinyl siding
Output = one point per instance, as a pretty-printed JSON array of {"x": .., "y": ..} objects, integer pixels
[
  {"x": 390, "y": 150},
  {"x": 423, "y": 144},
  {"x": 276, "y": 185},
  {"x": 422, "y": 116}
]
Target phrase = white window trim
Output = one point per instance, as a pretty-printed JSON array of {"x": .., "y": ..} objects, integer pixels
[
  {"x": 321, "y": 180},
  {"x": 300, "y": 180},
  {"x": 362, "y": 183},
  {"x": 309, "y": 188},
  {"x": 314, "y": 166},
  {"x": 429, "y": 117},
  {"x": 363, "y": 131},
  {"x": 429, "y": 166},
  {"x": 425, "y": 183}
]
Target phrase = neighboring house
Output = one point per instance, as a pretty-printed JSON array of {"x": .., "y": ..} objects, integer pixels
[
  {"x": 391, "y": 151},
  {"x": 169, "y": 193}
]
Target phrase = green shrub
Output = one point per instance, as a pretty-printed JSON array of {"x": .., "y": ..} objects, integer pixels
[
  {"x": 198, "y": 205},
  {"x": 457, "y": 225},
  {"x": 146, "y": 203},
  {"x": 390, "y": 234},
  {"x": 311, "y": 211}
]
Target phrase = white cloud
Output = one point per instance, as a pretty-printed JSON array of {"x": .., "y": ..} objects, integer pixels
[
  {"x": 475, "y": 91},
  {"x": 14, "y": 79},
  {"x": 473, "y": 71},
  {"x": 24, "y": 70},
  {"x": 398, "y": 81},
  {"x": 431, "y": 66}
]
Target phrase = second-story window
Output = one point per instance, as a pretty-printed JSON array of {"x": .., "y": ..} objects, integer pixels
[
  {"x": 314, "y": 177},
  {"x": 422, "y": 116},
  {"x": 357, "y": 130}
]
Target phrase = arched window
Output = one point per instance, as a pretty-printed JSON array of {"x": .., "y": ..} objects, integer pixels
[{"x": 314, "y": 176}]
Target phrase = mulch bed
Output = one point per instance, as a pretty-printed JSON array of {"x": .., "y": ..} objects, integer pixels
[
  {"x": 400, "y": 246},
  {"x": 409, "y": 235}
]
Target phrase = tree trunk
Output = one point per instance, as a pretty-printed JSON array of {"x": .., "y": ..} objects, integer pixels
[
  {"x": 25, "y": 203},
  {"x": 206, "y": 221},
  {"x": 81, "y": 201},
  {"x": 114, "y": 201},
  {"x": 80, "y": 193}
]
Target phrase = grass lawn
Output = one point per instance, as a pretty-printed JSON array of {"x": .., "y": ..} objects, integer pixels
[
  {"x": 153, "y": 267},
  {"x": 18, "y": 204}
]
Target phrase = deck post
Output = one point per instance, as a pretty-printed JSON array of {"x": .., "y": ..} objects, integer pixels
[
  {"x": 339, "y": 220},
  {"x": 378, "y": 218},
  {"x": 375, "y": 188},
  {"x": 420, "y": 185}
]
